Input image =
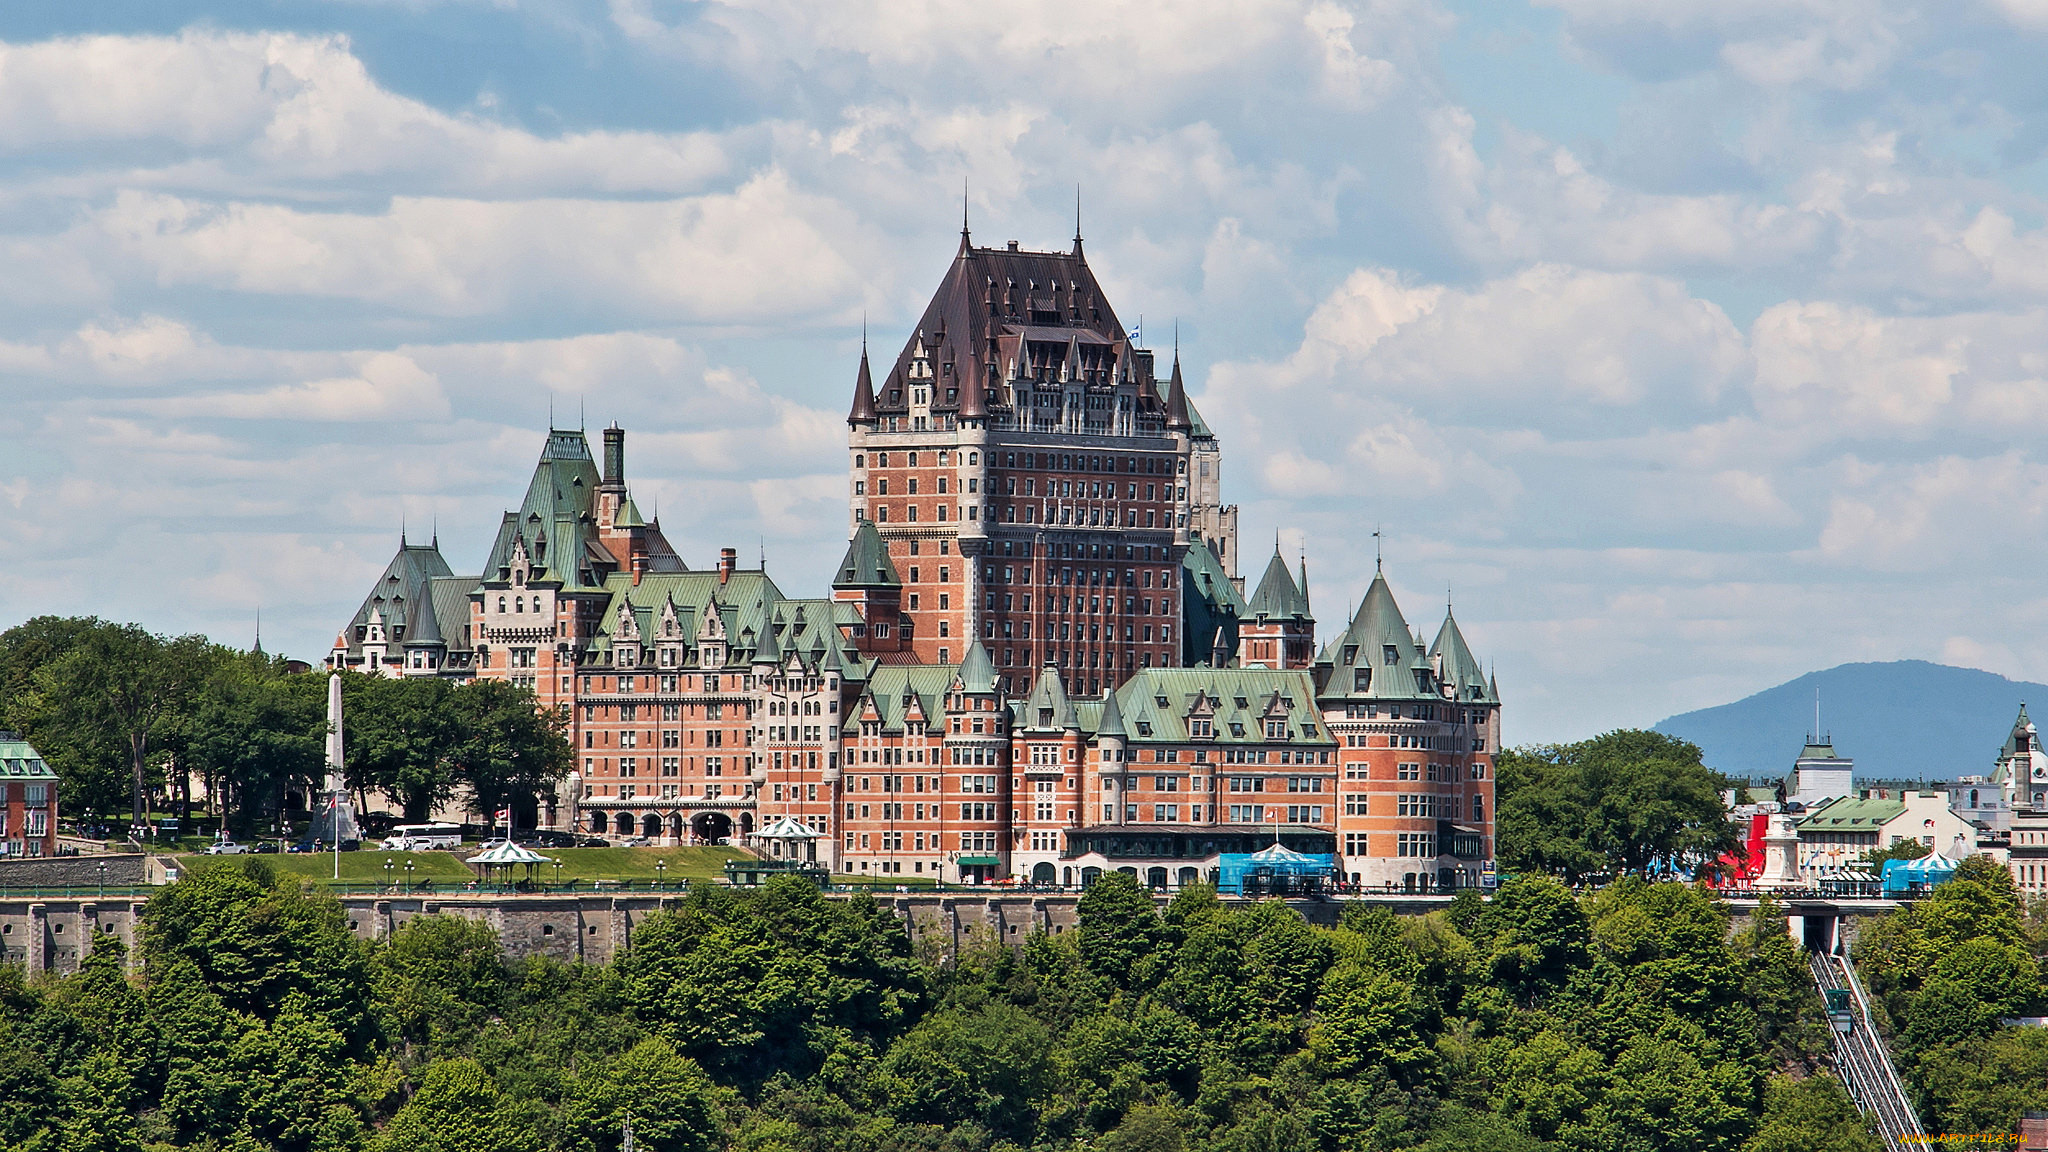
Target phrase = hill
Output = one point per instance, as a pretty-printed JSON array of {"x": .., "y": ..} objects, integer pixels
[{"x": 1906, "y": 719}]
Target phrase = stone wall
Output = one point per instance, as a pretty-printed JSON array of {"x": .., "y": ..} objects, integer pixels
[
  {"x": 123, "y": 870},
  {"x": 54, "y": 934}
]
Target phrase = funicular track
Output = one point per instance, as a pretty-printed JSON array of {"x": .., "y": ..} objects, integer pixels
[{"x": 1862, "y": 1060}]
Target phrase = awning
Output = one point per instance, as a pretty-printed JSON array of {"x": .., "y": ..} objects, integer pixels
[{"x": 980, "y": 862}]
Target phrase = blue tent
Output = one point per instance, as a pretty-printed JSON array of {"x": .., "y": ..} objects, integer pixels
[
  {"x": 1916, "y": 877},
  {"x": 1274, "y": 871}
]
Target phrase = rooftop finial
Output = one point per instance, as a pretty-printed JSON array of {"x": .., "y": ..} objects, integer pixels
[
  {"x": 1077, "y": 223},
  {"x": 1376, "y": 548},
  {"x": 965, "y": 240}
]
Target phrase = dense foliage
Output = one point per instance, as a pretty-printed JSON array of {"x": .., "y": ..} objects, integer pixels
[
  {"x": 782, "y": 1021},
  {"x": 1628, "y": 802},
  {"x": 115, "y": 709},
  {"x": 1944, "y": 972}
]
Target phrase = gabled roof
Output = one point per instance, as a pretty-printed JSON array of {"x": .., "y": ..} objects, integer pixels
[
  {"x": 555, "y": 525},
  {"x": 1048, "y": 707},
  {"x": 1004, "y": 320},
  {"x": 405, "y": 597},
  {"x": 1215, "y": 693},
  {"x": 1277, "y": 596},
  {"x": 1377, "y": 657},
  {"x": 896, "y": 690},
  {"x": 866, "y": 563},
  {"x": 19, "y": 761}
]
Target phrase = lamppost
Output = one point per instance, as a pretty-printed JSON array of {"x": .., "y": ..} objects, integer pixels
[
  {"x": 661, "y": 873},
  {"x": 103, "y": 879},
  {"x": 408, "y": 877},
  {"x": 558, "y": 871},
  {"x": 388, "y": 866}
]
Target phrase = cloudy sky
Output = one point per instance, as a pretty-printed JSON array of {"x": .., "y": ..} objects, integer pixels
[{"x": 1693, "y": 345}]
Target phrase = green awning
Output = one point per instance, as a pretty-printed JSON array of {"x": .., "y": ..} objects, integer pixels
[{"x": 980, "y": 862}]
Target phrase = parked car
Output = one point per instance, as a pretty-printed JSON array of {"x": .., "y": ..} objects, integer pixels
[
  {"x": 266, "y": 848},
  {"x": 635, "y": 842},
  {"x": 226, "y": 848},
  {"x": 592, "y": 842},
  {"x": 548, "y": 838}
]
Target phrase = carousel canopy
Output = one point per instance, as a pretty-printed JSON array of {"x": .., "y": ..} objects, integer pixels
[
  {"x": 786, "y": 829},
  {"x": 1279, "y": 855},
  {"x": 506, "y": 852}
]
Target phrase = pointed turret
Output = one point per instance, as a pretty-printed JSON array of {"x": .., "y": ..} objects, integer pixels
[
  {"x": 863, "y": 411},
  {"x": 977, "y": 670},
  {"x": 1377, "y": 658},
  {"x": 768, "y": 651},
  {"x": 866, "y": 563},
  {"x": 1111, "y": 722},
  {"x": 1277, "y": 596},
  {"x": 1456, "y": 666},
  {"x": 1177, "y": 400}
]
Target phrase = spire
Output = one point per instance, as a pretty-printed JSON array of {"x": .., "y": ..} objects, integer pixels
[
  {"x": 1078, "y": 255},
  {"x": 866, "y": 564},
  {"x": 1304, "y": 586},
  {"x": 966, "y": 241},
  {"x": 863, "y": 411},
  {"x": 1177, "y": 395},
  {"x": 1277, "y": 596},
  {"x": 258, "y": 649}
]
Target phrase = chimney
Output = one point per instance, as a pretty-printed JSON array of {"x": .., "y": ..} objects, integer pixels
[
  {"x": 615, "y": 455},
  {"x": 728, "y": 559}
]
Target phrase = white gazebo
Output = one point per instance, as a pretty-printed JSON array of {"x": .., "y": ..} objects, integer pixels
[
  {"x": 786, "y": 839},
  {"x": 507, "y": 855}
]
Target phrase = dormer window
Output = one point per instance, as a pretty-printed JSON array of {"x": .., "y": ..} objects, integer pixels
[{"x": 1393, "y": 654}]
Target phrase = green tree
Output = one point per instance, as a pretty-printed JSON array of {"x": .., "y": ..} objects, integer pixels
[
  {"x": 1628, "y": 801},
  {"x": 672, "y": 1104},
  {"x": 988, "y": 1067},
  {"x": 437, "y": 981},
  {"x": 1119, "y": 928},
  {"x": 401, "y": 736},
  {"x": 1811, "y": 1115},
  {"x": 456, "y": 1109},
  {"x": 506, "y": 751}
]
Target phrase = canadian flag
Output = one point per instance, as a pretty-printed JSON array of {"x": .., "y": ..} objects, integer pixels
[{"x": 504, "y": 814}]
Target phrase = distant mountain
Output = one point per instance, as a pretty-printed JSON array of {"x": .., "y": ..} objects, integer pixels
[{"x": 1907, "y": 719}]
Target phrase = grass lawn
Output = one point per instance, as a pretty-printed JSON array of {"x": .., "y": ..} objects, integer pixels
[
  {"x": 636, "y": 863},
  {"x": 356, "y": 867}
]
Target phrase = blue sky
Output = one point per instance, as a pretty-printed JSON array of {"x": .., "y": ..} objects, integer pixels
[{"x": 1693, "y": 345}]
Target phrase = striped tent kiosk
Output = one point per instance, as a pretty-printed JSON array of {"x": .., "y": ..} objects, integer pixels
[{"x": 497, "y": 860}]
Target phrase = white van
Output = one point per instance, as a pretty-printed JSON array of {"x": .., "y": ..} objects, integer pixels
[{"x": 423, "y": 837}]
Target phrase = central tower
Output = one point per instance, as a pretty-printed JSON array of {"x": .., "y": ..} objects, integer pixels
[{"x": 1027, "y": 478}]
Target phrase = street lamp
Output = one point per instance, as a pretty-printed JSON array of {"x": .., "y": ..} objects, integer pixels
[
  {"x": 103, "y": 879},
  {"x": 661, "y": 873},
  {"x": 558, "y": 871},
  {"x": 408, "y": 877},
  {"x": 388, "y": 866}
]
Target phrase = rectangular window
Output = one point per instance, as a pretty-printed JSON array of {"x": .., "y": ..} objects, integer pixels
[
  {"x": 1357, "y": 806},
  {"x": 1354, "y": 843}
]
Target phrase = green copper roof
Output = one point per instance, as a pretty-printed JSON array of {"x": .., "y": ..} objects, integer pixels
[
  {"x": 901, "y": 691},
  {"x": 866, "y": 564},
  {"x": 554, "y": 525},
  {"x": 18, "y": 761},
  {"x": 1240, "y": 701},
  {"x": 1457, "y": 666},
  {"x": 1377, "y": 657},
  {"x": 977, "y": 670},
  {"x": 1048, "y": 707},
  {"x": 1109, "y": 721},
  {"x": 405, "y": 598},
  {"x": 1277, "y": 596},
  {"x": 1210, "y": 608},
  {"x": 1848, "y": 813}
]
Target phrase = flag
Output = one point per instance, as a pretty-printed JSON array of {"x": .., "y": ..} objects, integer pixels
[{"x": 504, "y": 814}]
